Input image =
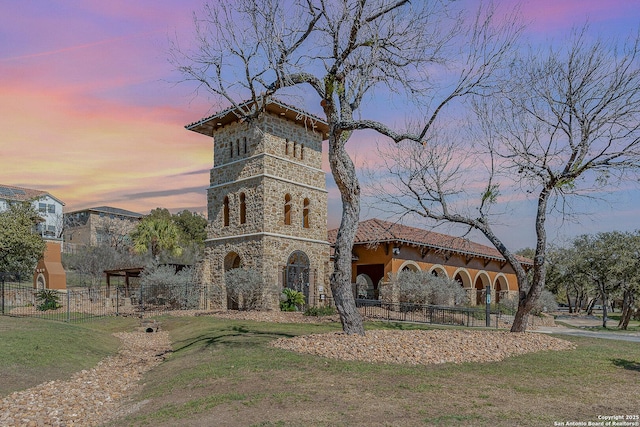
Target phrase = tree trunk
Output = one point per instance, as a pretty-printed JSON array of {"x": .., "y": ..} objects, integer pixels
[
  {"x": 605, "y": 302},
  {"x": 344, "y": 174},
  {"x": 627, "y": 309},
  {"x": 528, "y": 300}
]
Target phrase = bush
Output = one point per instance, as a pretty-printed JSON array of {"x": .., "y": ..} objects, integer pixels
[
  {"x": 291, "y": 300},
  {"x": 327, "y": 310},
  {"x": 546, "y": 303},
  {"x": 247, "y": 290},
  {"x": 162, "y": 285},
  {"x": 47, "y": 299},
  {"x": 421, "y": 287}
]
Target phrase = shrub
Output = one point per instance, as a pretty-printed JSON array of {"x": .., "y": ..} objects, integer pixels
[
  {"x": 421, "y": 287},
  {"x": 291, "y": 300},
  {"x": 546, "y": 303},
  {"x": 326, "y": 310},
  {"x": 247, "y": 290},
  {"x": 47, "y": 299},
  {"x": 162, "y": 285}
]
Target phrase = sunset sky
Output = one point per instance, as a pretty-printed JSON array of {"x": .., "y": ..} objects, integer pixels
[{"x": 88, "y": 111}]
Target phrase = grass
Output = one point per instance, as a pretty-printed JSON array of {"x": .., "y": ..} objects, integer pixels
[
  {"x": 223, "y": 372},
  {"x": 33, "y": 351}
]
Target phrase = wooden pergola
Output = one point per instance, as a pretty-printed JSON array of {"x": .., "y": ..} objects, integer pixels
[{"x": 127, "y": 273}]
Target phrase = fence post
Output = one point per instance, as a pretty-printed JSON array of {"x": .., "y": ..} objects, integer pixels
[
  {"x": 2, "y": 293},
  {"x": 68, "y": 305}
]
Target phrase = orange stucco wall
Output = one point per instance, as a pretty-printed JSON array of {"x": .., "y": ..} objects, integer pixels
[
  {"x": 50, "y": 268},
  {"x": 476, "y": 272}
]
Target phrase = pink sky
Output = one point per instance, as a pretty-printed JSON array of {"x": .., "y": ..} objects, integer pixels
[{"x": 87, "y": 112}]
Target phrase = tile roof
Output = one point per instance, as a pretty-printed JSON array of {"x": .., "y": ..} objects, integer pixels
[
  {"x": 110, "y": 210},
  {"x": 208, "y": 125},
  {"x": 21, "y": 194},
  {"x": 374, "y": 231}
]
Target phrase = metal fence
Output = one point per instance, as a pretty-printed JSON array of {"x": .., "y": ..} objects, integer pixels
[
  {"x": 419, "y": 313},
  {"x": 78, "y": 304}
]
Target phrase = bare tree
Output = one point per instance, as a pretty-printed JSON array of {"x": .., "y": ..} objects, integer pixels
[
  {"x": 345, "y": 53},
  {"x": 567, "y": 123}
]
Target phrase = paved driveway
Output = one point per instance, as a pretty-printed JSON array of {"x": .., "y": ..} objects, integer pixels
[{"x": 586, "y": 322}]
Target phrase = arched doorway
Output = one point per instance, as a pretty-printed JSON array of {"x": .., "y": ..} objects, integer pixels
[
  {"x": 481, "y": 283},
  {"x": 364, "y": 286},
  {"x": 231, "y": 261},
  {"x": 41, "y": 282},
  {"x": 298, "y": 273},
  {"x": 502, "y": 287}
]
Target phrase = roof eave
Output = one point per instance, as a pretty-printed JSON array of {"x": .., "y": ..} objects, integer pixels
[{"x": 208, "y": 125}]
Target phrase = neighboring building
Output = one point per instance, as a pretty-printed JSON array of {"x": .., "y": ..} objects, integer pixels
[
  {"x": 99, "y": 225},
  {"x": 382, "y": 248},
  {"x": 48, "y": 207},
  {"x": 267, "y": 199}
]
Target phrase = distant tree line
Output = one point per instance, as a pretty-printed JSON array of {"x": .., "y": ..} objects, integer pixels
[
  {"x": 159, "y": 238},
  {"x": 598, "y": 270}
]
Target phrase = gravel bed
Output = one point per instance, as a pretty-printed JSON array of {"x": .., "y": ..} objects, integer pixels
[
  {"x": 91, "y": 397},
  {"x": 423, "y": 347}
]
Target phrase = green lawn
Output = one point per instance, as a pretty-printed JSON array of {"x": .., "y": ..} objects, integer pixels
[
  {"x": 223, "y": 373},
  {"x": 33, "y": 351}
]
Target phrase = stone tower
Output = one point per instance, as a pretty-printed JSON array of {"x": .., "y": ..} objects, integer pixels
[{"x": 267, "y": 201}]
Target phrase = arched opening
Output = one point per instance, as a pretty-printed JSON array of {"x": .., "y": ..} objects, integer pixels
[
  {"x": 305, "y": 213},
  {"x": 438, "y": 271},
  {"x": 41, "y": 282},
  {"x": 463, "y": 277},
  {"x": 238, "y": 146},
  {"x": 225, "y": 212},
  {"x": 287, "y": 209},
  {"x": 502, "y": 287},
  {"x": 243, "y": 209},
  {"x": 245, "y": 145},
  {"x": 286, "y": 147},
  {"x": 298, "y": 273},
  {"x": 409, "y": 266},
  {"x": 364, "y": 286},
  {"x": 481, "y": 283},
  {"x": 301, "y": 151},
  {"x": 232, "y": 260}
]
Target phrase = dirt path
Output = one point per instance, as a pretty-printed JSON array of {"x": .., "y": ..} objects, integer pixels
[{"x": 91, "y": 397}]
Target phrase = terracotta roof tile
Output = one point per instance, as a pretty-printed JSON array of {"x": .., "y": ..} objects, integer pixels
[{"x": 377, "y": 231}]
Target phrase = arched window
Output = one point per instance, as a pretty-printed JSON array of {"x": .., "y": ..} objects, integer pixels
[
  {"x": 231, "y": 149},
  {"x": 243, "y": 209},
  {"x": 238, "y": 147},
  {"x": 287, "y": 209},
  {"x": 305, "y": 213},
  {"x": 226, "y": 211},
  {"x": 301, "y": 151},
  {"x": 246, "y": 150},
  {"x": 286, "y": 147},
  {"x": 295, "y": 149}
]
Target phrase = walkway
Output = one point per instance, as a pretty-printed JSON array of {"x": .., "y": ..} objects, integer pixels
[{"x": 587, "y": 322}]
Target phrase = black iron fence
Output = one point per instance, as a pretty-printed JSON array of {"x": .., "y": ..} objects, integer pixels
[
  {"x": 419, "y": 313},
  {"x": 78, "y": 304}
]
